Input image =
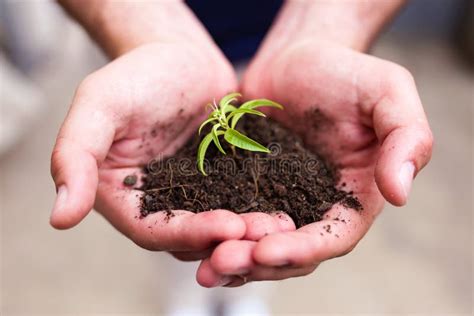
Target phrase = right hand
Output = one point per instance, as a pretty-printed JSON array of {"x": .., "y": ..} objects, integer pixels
[{"x": 145, "y": 103}]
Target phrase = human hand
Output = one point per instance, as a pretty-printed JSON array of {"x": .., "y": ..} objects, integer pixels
[
  {"x": 143, "y": 104},
  {"x": 362, "y": 112}
]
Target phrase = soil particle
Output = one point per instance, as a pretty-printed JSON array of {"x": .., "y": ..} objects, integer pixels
[
  {"x": 130, "y": 180},
  {"x": 280, "y": 189},
  {"x": 327, "y": 228},
  {"x": 295, "y": 180}
]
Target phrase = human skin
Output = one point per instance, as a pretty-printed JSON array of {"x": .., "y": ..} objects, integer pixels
[
  {"x": 173, "y": 61},
  {"x": 370, "y": 122},
  {"x": 145, "y": 102}
]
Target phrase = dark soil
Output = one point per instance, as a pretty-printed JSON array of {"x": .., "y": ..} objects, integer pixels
[{"x": 290, "y": 179}]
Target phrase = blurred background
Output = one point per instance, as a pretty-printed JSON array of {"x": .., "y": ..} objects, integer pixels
[{"x": 415, "y": 260}]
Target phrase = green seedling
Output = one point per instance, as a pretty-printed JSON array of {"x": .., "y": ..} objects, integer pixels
[{"x": 224, "y": 118}]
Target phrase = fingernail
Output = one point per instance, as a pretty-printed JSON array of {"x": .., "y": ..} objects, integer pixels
[
  {"x": 60, "y": 198},
  {"x": 405, "y": 176},
  {"x": 242, "y": 271},
  {"x": 224, "y": 281},
  {"x": 280, "y": 262}
]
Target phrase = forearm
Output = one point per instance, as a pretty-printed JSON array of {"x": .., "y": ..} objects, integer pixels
[
  {"x": 119, "y": 26},
  {"x": 349, "y": 22}
]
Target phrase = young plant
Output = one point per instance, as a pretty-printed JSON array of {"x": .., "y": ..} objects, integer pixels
[{"x": 224, "y": 118}]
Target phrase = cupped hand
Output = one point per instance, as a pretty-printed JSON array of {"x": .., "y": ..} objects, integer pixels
[
  {"x": 143, "y": 104},
  {"x": 362, "y": 112}
]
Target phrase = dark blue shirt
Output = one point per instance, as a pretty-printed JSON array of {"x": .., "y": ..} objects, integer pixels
[{"x": 237, "y": 27}]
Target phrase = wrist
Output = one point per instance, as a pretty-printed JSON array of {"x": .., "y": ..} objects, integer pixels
[
  {"x": 120, "y": 26},
  {"x": 354, "y": 24}
]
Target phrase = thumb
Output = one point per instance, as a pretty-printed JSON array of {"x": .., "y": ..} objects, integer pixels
[
  {"x": 402, "y": 128},
  {"x": 82, "y": 144}
]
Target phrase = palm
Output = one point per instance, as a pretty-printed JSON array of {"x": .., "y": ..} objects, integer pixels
[
  {"x": 320, "y": 87},
  {"x": 143, "y": 105},
  {"x": 155, "y": 121},
  {"x": 361, "y": 112}
]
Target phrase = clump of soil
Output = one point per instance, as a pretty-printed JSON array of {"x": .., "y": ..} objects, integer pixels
[{"x": 291, "y": 179}]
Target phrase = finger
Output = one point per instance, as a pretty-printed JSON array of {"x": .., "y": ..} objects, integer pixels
[
  {"x": 284, "y": 221},
  {"x": 401, "y": 127},
  {"x": 207, "y": 277},
  {"x": 261, "y": 224},
  {"x": 263, "y": 273},
  {"x": 242, "y": 266},
  {"x": 314, "y": 243},
  {"x": 192, "y": 255},
  {"x": 82, "y": 144},
  {"x": 233, "y": 257},
  {"x": 168, "y": 231}
]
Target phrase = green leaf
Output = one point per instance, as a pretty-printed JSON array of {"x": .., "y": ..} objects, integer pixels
[
  {"x": 215, "y": 137},
  {"x": 206, "y": 141},
  {"x": 225, "y": 101},
  {"x": 205, "y": 122},
  {"x": 209, "y": 106},
  {"x": 215, "y": 113},
  {"x": 230, "y": 108},
  {"x": 252, "y": 105},
  {"x": 239, "y": 140},
  {"x": 244, "y": 111}
]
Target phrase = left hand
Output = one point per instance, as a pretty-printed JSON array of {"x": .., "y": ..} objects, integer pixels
[{"x": 371, "y": 123}]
